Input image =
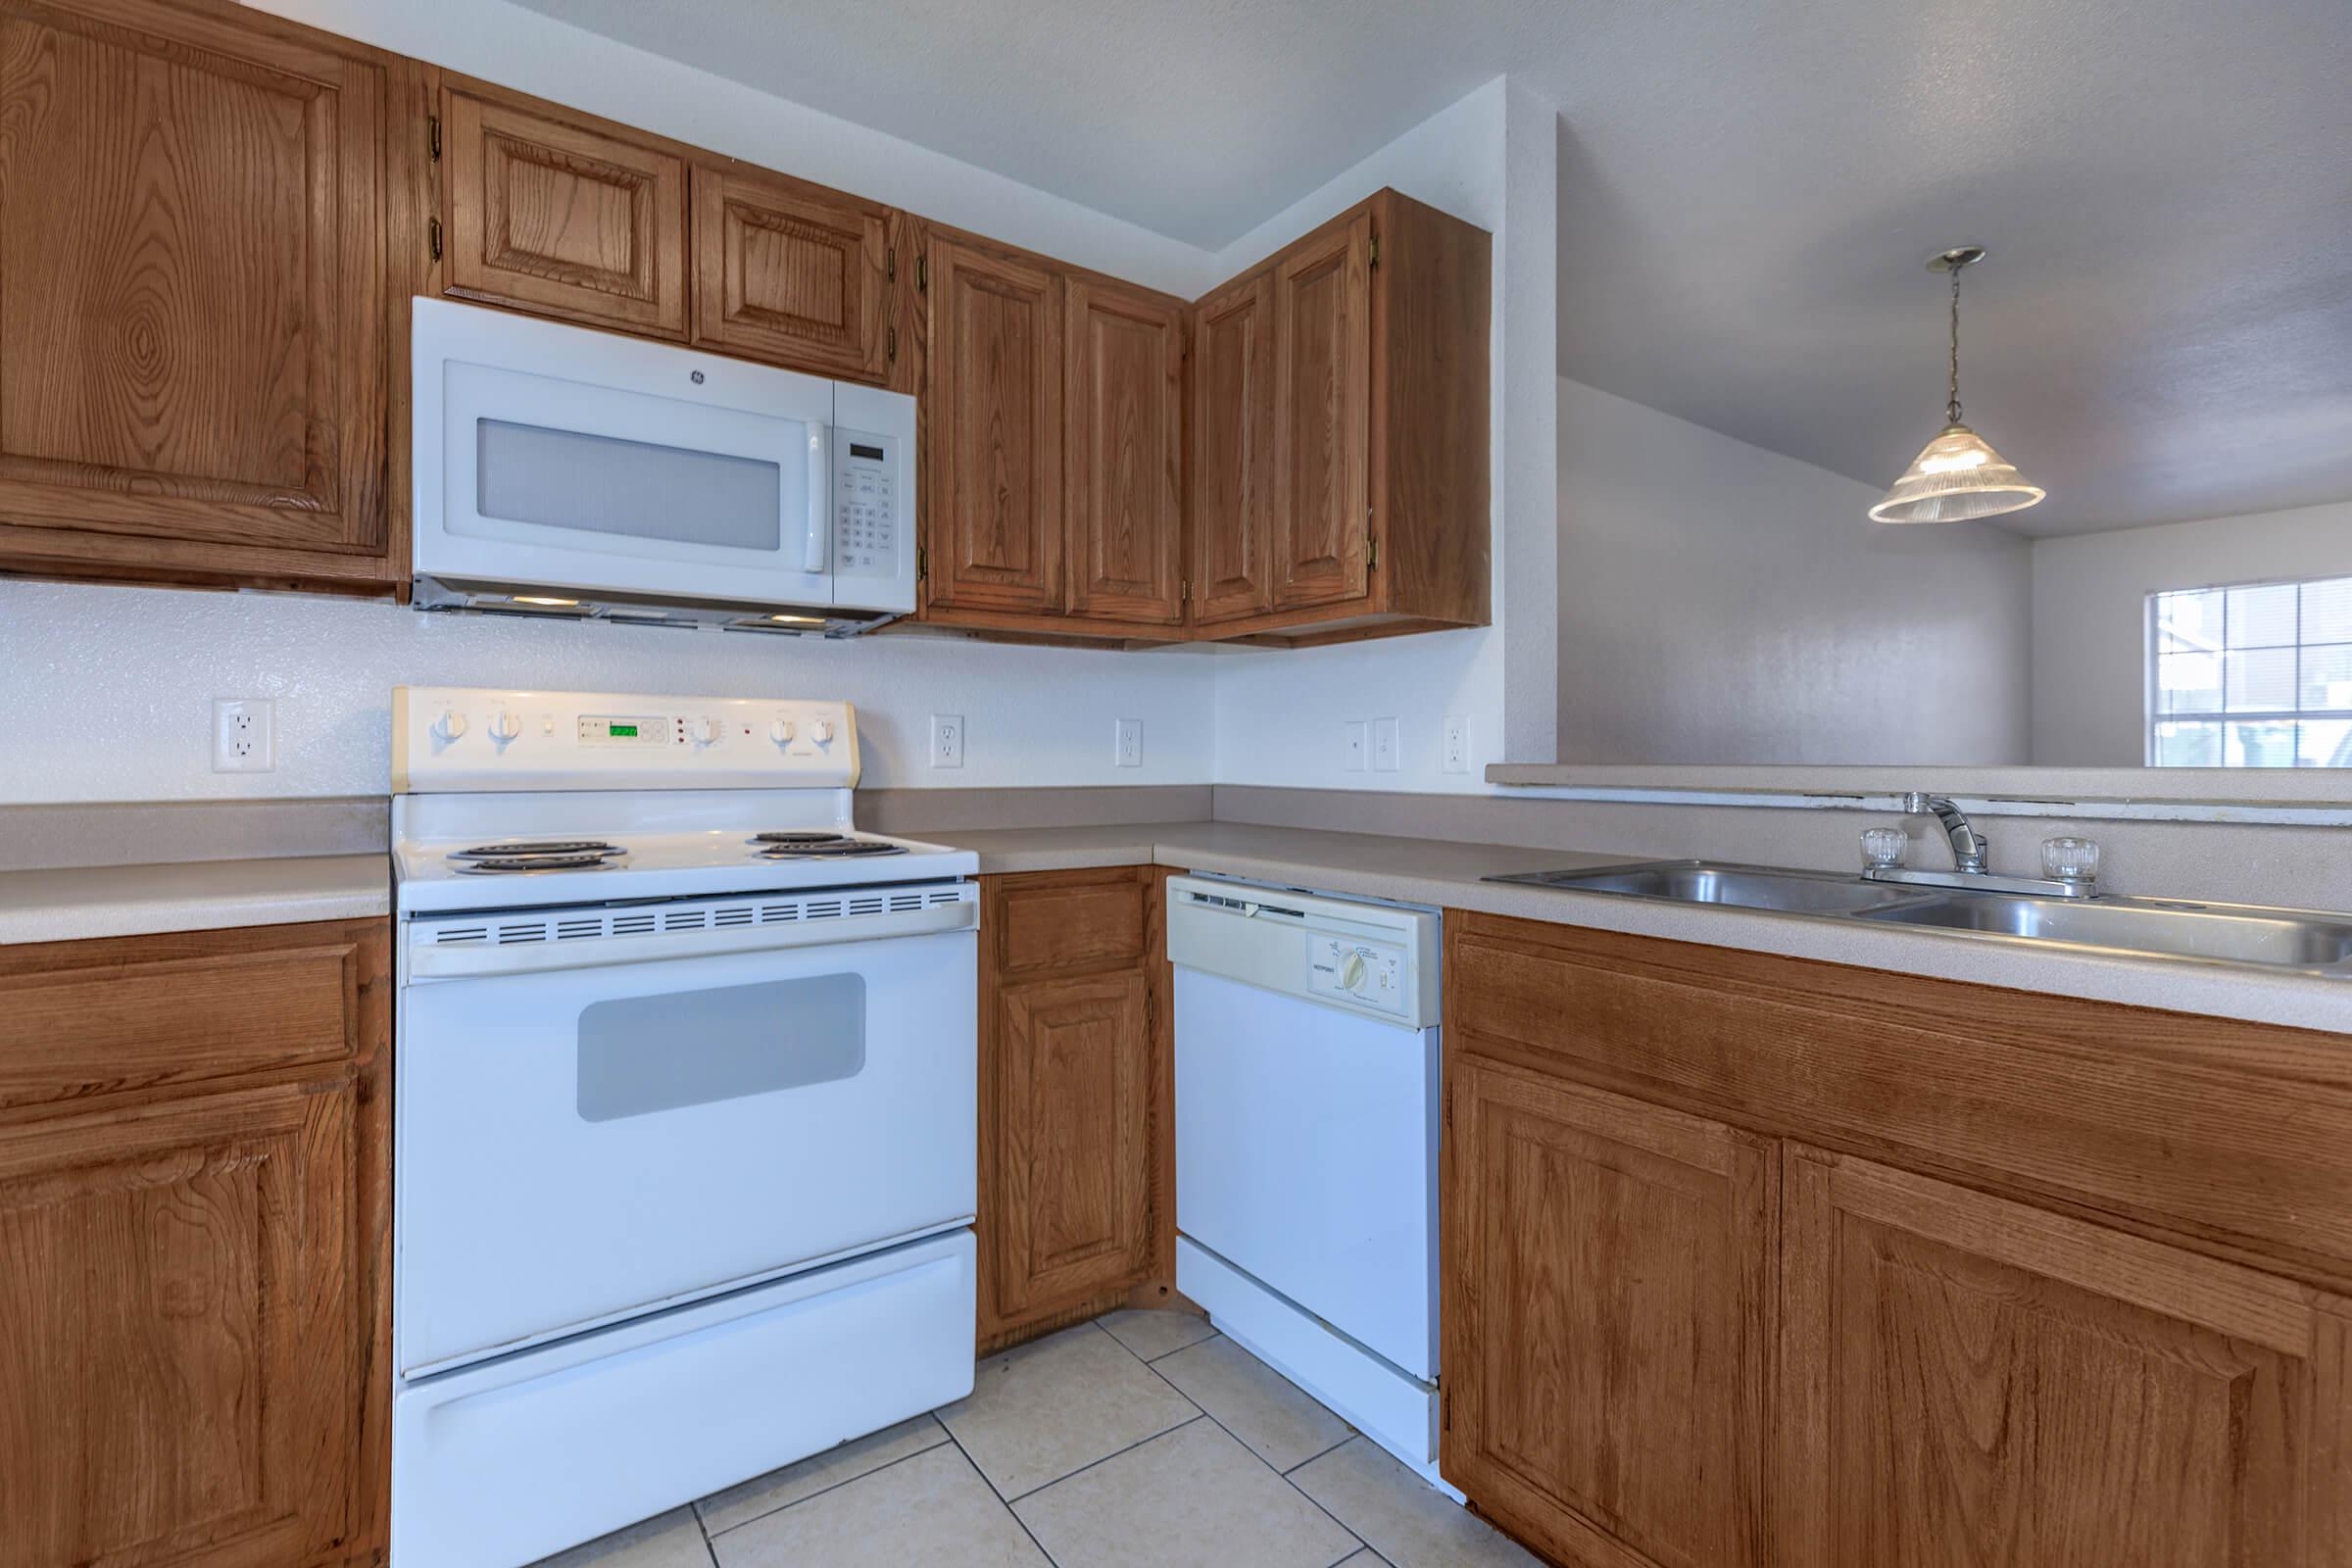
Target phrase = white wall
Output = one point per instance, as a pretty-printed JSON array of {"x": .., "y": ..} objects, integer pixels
[
  {"x": 1719, "y": 603},
  {"x": 116, "y": 686},
  {"x": 1489, "y": 158},
  {"x": 2090, "y": 613}
]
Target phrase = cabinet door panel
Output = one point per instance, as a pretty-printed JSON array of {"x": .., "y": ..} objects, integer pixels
[
  {"x": 178, "y": 1381},
  {"x": 1607, "y": 1319},
  {"x": 1072, "y": 1094},
  {"x": 1969, "y": 1380},
  {"x": 563, "y": 221},
  {"x": 192, "y": 339},
  {"x": 993, "y": 418},
  {"x": 1322, "y": 417},
  {"x": 1233, "y": 452},
  {"x": 790, "y": 272},
  {"x": 1125, "y": 402}
]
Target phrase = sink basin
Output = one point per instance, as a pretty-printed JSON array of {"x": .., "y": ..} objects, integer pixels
[
  {"x": 1747, "y": 886},
  {"x": 2220, "y": 933}
]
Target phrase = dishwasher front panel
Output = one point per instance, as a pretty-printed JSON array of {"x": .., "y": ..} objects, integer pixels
[{"x": 1307, "y": 1141}]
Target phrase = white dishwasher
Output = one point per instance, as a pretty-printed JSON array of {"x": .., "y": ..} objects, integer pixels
[{"x": 1306, "y": 1143}]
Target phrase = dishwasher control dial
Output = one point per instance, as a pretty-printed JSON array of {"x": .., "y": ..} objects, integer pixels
[{"x": 1365, "y": 973}]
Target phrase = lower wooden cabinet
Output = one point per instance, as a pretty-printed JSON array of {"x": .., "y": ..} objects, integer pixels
[
  {"x": 1685, "y": 1327},
  {"x": 1966, "y": 1379},
  {"x": 1607, "y": 1313},
  {"x": 193, "y": 1269},
  {"x": 1076, "y": 1193}
]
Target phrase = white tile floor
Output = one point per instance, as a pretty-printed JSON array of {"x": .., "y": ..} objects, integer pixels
[{"x": 1143, "y": 1439}]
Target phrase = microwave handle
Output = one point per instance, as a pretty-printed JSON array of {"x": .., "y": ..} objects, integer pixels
[{"x": 820, "y": 498}]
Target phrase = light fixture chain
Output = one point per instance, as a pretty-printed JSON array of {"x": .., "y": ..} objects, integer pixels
[{"x": 1952, "y": 409}]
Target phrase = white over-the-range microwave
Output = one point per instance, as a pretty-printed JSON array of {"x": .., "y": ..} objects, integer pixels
[{"x": 558, "y": 471}]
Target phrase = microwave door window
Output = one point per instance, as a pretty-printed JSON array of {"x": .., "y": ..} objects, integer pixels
[{"x": 635, "y": 491}]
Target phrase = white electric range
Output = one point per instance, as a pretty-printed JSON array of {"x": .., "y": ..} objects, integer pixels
[{"x": 685, "y": 1109}]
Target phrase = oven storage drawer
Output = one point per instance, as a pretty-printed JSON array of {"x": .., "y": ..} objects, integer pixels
[{"x": 504, "y": 1463}]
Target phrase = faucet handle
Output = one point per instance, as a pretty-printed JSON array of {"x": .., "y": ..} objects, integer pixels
[
  {"x": 2072, "y": 861},
  {"x": 1883, "y": 848}
]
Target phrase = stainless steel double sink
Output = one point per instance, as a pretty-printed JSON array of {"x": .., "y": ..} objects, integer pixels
[{"x": 2298, "y": 940}]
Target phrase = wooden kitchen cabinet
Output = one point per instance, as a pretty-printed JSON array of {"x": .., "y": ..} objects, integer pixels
[
  {"x": 792, "y": 273},
  {"x": 194, "y": 313},
  {"x": 1076, "y": 1099},
  {"x": 1969, "y": 1379},
  {"x": 1625, "y": 1257},
  {"x": 194, "y": 1311},
  {"x": 1375, "y": 403},
  {"x": 561, "y": 214},
  {"x": 1123, "y": 458},
  {"x": 2051, "y": 1281}
]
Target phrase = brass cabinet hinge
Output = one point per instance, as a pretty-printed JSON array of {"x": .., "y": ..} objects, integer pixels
[
  {"x": 893, "y": 337},
  {"x": 1184, "y": 590},
  {"x": 432, "y": 137},
  {"x": 922, "y": 274},
  {"x": 890, "y": 264},
  {"x": 1371, "y": 550},
  {"x": 433, "y": 236},
  {"x": 1376, "y": 250},
  {"x": 922, "y": 562}
]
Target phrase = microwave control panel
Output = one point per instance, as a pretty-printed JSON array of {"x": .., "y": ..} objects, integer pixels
[{"x": 865, "y": 504}]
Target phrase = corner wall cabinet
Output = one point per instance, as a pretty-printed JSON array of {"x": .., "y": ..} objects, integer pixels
[
  {"x": 1896, "y": 1270},
  {"x": 1077, "y": 1081},
  {"x": 194, "y": 1214}
]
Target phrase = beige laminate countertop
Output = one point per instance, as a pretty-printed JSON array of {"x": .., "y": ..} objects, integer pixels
[
  {"x": 1449, "y": 876},
  {"x": 118, "y": 901}
]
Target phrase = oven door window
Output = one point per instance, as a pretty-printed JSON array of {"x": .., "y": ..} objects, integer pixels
[{"x": 643, "y": 1055}]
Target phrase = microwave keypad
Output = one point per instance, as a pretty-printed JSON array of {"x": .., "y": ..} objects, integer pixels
[{"x": 864, "y": 518}]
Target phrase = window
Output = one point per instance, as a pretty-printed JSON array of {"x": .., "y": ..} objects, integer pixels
[{"x": 2256, "y": 675}]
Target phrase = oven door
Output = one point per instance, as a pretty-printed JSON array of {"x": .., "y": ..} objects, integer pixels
[
  {"x": 578, "y": 1145},
  {"x": 554, "y": 456}
]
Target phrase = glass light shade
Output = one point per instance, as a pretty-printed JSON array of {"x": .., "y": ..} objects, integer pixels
[{"x": 1957, "y": 477}]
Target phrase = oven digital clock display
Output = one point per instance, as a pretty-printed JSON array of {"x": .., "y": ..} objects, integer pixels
[{"x": 608, "y": 729}]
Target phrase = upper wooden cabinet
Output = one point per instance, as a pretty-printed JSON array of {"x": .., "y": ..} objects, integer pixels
[
  {"x": 193, "y": 307},
  {"x": 1375, "y": 403},
  {"x": 1233, "y": 452},
  {"x": 790, "y": 271},
  {"x": 1124, "y": 457},
  {"x": 194, "y": 1206},
  {"x": 991, "y": 474},
  {"x": 552, "y": 214}
]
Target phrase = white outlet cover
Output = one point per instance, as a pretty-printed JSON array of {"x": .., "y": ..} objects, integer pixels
[
  {"x": 1127, "y": 743},
  {"x": 1384, "y": 746},
  {"x": 244, "y": 735},
  {"x": 947, "y": 740},
  {"x": 1358, "y": 742},
  {"x": 1455, "y": 757}
]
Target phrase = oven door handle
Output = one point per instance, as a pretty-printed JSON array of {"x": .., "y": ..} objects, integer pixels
[{"x": 473, "y": 959}]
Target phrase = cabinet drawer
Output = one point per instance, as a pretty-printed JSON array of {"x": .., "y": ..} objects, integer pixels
[
  {"x": 84, "y": 1019},
  {"x": 2168, "y": 1119},
  {"x": 1066, "y": 920}
]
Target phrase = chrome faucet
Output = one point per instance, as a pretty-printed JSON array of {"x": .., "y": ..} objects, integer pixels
[{"x": 1969, "y": 849}]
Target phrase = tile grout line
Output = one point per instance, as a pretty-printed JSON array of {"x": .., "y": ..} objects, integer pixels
[
  {"x": 887, "y": 1464},
  {"x": 1282, "y": 1476},
  {"x": 1051, "y": 1561},
  {"x": 1197, "y": 1415}
]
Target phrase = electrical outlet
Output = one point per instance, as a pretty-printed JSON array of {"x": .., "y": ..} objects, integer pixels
[
  {"x": 244, "y": 735},
  {"x": 1455, "y": 757},
  {"x": 1127, "y": 743},
  {"x": 947, "y": 740},
  {"x": 1384, "y": 746},
  {"x": 1359, "y": 745}
]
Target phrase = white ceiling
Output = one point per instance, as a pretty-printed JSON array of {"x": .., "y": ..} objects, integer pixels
[{"x": 1749, "y": 189}]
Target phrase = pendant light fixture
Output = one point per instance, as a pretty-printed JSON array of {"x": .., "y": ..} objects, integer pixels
[{"x": 1958, "y": 476}]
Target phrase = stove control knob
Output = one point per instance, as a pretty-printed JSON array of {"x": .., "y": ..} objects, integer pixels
[
  {"x": 780, "y": 732},
  {"x": 449, "y": 726},
  {"x": 823, "y": 730},
  {"x": 505, "y": 727},
  {"x": 706, "y": 731}
]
